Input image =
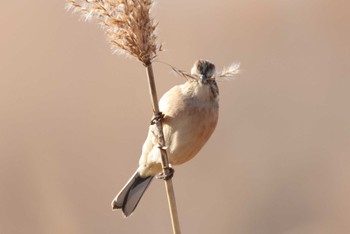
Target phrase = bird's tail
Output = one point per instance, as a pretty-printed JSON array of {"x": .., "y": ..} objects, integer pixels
[{"x": 130, "y": 195}]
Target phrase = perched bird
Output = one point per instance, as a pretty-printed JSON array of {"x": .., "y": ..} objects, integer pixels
[{"x": 190, "y": 117}]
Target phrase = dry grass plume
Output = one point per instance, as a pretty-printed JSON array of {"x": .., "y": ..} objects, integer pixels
[{"x": 127, "y": 24}]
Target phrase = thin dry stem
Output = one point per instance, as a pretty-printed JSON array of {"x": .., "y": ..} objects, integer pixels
[
  {"x": 164, "y": 157},
  {"x": 127, "y": 24}
]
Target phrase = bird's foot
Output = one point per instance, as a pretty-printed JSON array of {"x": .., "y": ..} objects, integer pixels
[
  {"x": 157, "y": 117},
  {"x": 167, "y": 174},
  {"x": 162, "y": 147}
]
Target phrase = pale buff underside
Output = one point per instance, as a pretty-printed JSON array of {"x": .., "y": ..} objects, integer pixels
[{"x": 191, "y": 115}]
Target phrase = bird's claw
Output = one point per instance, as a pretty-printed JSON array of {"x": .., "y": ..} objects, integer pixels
[
  {"x": 162, "y": 147},
  {"x": 157, "y": 117},
  {"x": 167, "y": 174}
]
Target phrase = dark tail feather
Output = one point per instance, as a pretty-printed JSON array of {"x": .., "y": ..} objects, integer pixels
[{"x": 129, "y": 197}]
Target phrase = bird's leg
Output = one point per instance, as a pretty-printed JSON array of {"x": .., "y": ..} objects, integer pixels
[{"x": 167, "y": 174}]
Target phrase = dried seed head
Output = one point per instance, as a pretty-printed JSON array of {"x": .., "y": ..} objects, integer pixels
[{"x": 127, "y": 24}]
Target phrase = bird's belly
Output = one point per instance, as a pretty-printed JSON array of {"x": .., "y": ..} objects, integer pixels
[{"x": 189, "y": 132}]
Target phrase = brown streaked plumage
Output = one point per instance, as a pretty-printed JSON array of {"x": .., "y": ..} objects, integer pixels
[{"x": 191, "y": 114}]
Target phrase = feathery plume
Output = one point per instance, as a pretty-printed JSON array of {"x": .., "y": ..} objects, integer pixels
[
  {"x": 127, "y": 24},
  {"x": 230, "y": 71}
]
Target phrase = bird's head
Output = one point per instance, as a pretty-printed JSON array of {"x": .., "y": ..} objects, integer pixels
[{"x": 204, "y": 70}]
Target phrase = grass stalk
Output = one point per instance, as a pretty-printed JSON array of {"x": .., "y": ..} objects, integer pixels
[{"x": 165, "y": 163}]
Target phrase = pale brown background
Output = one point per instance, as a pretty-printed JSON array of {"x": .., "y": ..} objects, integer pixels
[{"x": 73, "y": 118}]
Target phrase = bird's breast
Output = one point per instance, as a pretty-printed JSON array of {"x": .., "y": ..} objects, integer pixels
[{"x": 189, "y": 127}]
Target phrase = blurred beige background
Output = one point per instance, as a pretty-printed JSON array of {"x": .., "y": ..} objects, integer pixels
[{"x": 73, "y": 118}]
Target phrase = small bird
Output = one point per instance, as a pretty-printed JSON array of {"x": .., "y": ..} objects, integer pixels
[{"x": 190, "y": 117}]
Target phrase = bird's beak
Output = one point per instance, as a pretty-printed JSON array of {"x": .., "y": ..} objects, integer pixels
[{"x": 203, "y": 79}]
